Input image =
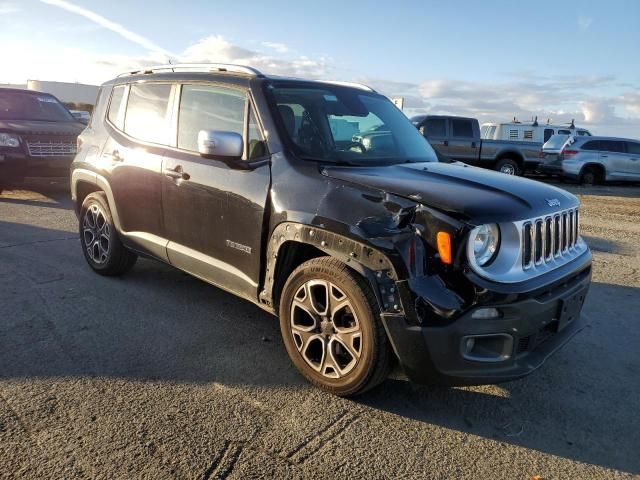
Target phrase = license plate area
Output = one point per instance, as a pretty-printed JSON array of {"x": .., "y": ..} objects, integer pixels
[{"x": 569, "y": 309}]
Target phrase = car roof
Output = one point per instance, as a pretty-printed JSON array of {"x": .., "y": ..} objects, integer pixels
[
  {"x": 227, "y": 73},
  {"x": 617, "y": 139},
  {"x": 24, "y": 90}
]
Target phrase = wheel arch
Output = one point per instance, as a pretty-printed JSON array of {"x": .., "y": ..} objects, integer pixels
[
  {"x": 511, "y": 155},
  {"x": 292, "y": 244},
  {"x": 84, "y": 182},
  {"x": 599, "y": 167}
]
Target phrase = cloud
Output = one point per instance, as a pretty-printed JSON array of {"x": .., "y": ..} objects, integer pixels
[
  {"x": 109, "y": 25},
  {"x": 7, "y": 8},
  {"x": 278, "y": 47},
  {"x": 584, "y": 22}
]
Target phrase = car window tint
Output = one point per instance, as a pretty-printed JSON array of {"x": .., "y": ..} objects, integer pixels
[
  {"x": 435, "y": 127},
  {"x": 611, "y": 146},
  {"x": 115, "y": 106},
  {"x": 633, "y": 148},
  {"x": 257, "y": 145},
  {"x": 548, "y": 133},
  {"x": 462, "y": 128},
  {"x": 146, "y": 116},
  {"x": 591, "y": 145},
  {"x": 208, "y": 107}
]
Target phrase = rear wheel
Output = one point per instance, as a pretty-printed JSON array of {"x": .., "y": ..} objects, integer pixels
[
  {"x": 329, "y": 320},
  {"x": 508, "y": 166},
  {"x": 100, "y": 241}
]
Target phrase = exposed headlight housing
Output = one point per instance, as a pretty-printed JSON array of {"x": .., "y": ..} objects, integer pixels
[
  {"x": 485, "y": 240},
  {"x": 9, "y": 140}
]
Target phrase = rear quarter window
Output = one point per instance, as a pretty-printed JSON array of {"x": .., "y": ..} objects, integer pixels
[
  {"x": 633, "y": 148},
  {"x": 116, "y": 107},
  {"x": 591, "y": 145}
]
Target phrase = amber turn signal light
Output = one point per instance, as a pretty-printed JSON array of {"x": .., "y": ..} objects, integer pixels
[{"x": 444, "y": 247}]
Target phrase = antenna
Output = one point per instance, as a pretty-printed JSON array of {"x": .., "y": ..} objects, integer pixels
[
  {"x": 573, "y": 124},
  {"x": 535, "y": 122}
]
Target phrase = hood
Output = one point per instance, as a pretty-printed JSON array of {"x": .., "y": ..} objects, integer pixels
[
  {"x": 468, "y": 193},
  {"x": 35, "y": 127}
]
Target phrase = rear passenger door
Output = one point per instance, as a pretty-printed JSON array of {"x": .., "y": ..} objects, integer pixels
[
  {"x": 463, "y": 141},
  {"x": 613, "y": 156},
  {"x": 138, "y": 120},
  {"x": 435, "y": 130},
  {"x": 214, "y": 214}
]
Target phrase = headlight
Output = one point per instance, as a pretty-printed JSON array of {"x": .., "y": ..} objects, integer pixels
[
  {"x": 8, "y": 140},
  {"x": 486, "y": 240}
]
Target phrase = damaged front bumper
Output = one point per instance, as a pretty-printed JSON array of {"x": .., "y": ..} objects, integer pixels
[{"x": 535, "y": 319}]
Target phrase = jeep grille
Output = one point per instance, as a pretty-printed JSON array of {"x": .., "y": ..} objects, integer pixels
[{"x": 550, "y": 239}]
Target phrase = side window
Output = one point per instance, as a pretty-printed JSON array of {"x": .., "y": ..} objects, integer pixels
[
  {"x": 256, "y": 144},
  {"x": 591, "y": 145},
  {"x": 611, "y": 146},
  {"x": 548, "y": 133},
  {"x": 633, "y": 148},
  {"x": 146, "y": 117},
  {"x": 208, "y": 107},
  {"x": 435, "y": 127},
  {"x": 564, "y": 132},
  {"x": 492, "y": 132},
  {"x": 462, "y": 128},
  {"x": 116, "y": 108}
]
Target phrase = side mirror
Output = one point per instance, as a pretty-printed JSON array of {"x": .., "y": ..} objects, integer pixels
[{"x": 220, "y": 145}]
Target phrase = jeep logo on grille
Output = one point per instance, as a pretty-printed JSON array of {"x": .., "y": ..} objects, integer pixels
[{"x": 553, "y": 202}]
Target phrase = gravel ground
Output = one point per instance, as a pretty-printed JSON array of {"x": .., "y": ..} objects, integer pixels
[{"x": 158, "y": 375}]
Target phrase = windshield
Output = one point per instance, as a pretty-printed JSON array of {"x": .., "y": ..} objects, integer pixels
[
  {"x": 344, "y": 125},
  {"x": 31, "y": 106}
]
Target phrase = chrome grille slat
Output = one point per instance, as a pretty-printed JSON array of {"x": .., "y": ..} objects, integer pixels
[
  {"x": 551, "y": 239},
  {"x": 53, "y": 148}
]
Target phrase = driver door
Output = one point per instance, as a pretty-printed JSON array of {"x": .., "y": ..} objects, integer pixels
[{"x": 213, "y": 212}]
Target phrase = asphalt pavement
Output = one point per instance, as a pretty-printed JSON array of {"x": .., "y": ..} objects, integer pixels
[{"x": 159, "y": 375}]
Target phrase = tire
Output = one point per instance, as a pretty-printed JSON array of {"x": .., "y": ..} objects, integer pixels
[
  {"x": 589, "y": 176},
  {"x": 101, "y": 245},
  {"x": 345, "y": 352},
  {"x": 508, "y": 166}
]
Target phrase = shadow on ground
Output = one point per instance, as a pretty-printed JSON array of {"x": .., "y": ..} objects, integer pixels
[{"x": 59, "y": 319}]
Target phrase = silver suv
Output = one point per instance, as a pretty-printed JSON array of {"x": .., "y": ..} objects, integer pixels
[{"x": 593, "y": 159}]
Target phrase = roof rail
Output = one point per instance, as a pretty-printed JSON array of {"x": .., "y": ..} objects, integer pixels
[
  {"x": 197, "y": 67},
  {"x": 361, "y": 86}
]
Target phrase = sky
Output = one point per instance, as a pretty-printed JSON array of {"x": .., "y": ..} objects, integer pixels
[{"x": 492, "y": 59}]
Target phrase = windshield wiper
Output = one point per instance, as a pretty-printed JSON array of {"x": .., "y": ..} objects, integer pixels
[{"x": 328, "y": 160}]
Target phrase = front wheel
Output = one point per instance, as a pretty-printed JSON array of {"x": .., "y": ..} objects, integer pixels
[
  {"x": 329, "y": 320},
  {"x": 508, "y": 166},
  {"x": 100, "y": 241}
]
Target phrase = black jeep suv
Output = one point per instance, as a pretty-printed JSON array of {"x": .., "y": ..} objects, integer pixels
[
  {"x": 37, "y": 136},
  {"x": 368, "y": 249}
]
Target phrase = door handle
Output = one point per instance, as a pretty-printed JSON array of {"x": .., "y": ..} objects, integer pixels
[
  {"x": 604, "y": 156},
  {"x": 177, "y": 173}
]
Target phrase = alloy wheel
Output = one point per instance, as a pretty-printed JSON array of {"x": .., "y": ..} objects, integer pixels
[
  {"x": 96, "y": 234},
  {"x": 325, "y": 328}
]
